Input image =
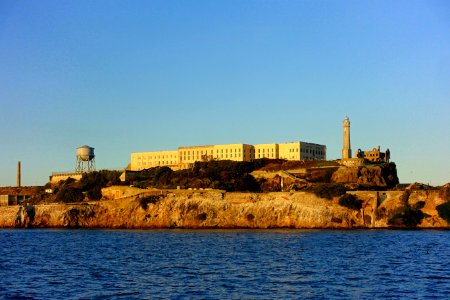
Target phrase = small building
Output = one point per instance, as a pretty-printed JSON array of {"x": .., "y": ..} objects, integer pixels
[{"x": 6, "y": 200}]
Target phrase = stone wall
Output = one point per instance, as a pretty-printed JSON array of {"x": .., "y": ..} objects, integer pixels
[{"x": 59, "y": 177}]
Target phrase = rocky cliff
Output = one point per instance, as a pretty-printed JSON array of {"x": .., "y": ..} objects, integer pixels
[
  {"x": 383, "y": 175},
  {"x": 217, "y": 209}
]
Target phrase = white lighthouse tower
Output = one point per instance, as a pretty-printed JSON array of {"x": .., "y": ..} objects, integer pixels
[{"x": 346, "y": 148}]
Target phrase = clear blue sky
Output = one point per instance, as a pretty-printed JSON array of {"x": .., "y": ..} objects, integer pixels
[{"x": 130, "y": 76}]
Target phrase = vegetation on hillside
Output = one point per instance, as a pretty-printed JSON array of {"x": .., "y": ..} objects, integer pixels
[
  {"x": 237, "y": 176},
  {"x": 226, "y": 175},
  {"x": 444, "y": 211},
  {"x": 151, "y": 199},
  {"x": 90, "y": 185},
  {"x": 350, "y": 201},
  {"x": 329, "y": 190},
  {"x": 282, "y": 164}
]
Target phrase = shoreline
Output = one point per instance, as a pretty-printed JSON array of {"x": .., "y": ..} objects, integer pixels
[{"x": 210, "y": 210}]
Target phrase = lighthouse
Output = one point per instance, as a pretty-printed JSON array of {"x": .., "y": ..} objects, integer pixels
[{"x": 346, "y": 148}]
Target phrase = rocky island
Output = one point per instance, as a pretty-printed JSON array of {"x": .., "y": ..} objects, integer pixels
[{"x": 263, "y": 194}]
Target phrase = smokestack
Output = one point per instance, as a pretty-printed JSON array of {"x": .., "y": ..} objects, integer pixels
[{"x": 18, "y": 174}]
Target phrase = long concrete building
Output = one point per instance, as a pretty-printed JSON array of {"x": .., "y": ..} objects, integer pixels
[{"x": 185, "y": 157}]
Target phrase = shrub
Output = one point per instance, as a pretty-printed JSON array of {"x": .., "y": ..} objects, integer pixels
[
  {"x": 350, "y": 201},
  {"x": 69, "y": 195},
  {"x": 419, "y": 205},
  {"x": 228, "y": 175},
  {"x": 95, "y": 193},
  {"x": 444, "y": 211},
  {"x": 145, "y": 201},
  {"x": 406, "y": 216},
  {"x": 329, "y": 190}
]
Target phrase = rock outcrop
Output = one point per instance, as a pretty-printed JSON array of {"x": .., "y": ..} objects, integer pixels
[{"x": 382, "y": 175}]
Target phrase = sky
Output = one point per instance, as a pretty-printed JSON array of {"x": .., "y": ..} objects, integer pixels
[{"x": 132, "y": 76}]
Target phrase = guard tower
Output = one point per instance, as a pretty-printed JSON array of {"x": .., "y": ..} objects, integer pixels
[
  {"x": 346, "y": 148},
  {"x": 85, "y": 159}
]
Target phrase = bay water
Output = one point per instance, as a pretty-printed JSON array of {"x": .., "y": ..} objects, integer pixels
[{"x": 224, "y": 264}]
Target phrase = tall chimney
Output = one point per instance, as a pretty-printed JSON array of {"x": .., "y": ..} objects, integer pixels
[{"x": 18, "y": 174}]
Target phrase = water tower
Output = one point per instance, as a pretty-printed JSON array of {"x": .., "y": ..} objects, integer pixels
[{"x": 85, "y": 159}]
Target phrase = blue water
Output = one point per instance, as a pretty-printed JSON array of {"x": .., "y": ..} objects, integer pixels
[{"x": 221, "y": 264}]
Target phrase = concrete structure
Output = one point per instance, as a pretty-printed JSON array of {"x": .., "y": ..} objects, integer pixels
[
  {"x": 346, "y": 147},
  {"x": 57, "y": 177},
  {"x": 353, "y": 162},
  {"x": 6, "y": 200},
  {"x": 185, "y": 157}
]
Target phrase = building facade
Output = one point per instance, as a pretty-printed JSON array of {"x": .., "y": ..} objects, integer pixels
[
  {"x": 146, "y": 160},
  {"x": 374, "y": 155},
  {"x": 265, "y": 151},
  {"x": 185, "y": 157}
]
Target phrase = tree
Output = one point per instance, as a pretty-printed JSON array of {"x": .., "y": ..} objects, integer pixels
[
  {"x": 69, "y": 194},
  {"x": 444, "y": 211}
]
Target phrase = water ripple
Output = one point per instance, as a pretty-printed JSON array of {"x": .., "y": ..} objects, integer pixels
[{"x": 216, "y": 264}]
